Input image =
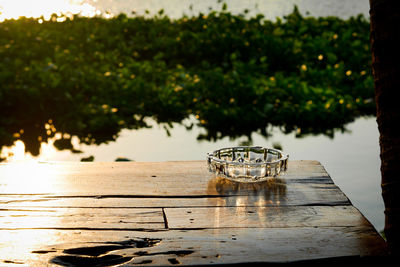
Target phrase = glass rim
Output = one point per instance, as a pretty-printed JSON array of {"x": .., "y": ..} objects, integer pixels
[{"x": 216, "y": 155}]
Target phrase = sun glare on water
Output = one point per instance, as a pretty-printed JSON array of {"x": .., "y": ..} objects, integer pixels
[{"x": 13, "y": 9}]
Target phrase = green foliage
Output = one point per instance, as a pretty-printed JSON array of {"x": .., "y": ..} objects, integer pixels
[{"x": 92, "y": 77}]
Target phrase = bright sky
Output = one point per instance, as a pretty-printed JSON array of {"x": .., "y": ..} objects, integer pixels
[{"x": 13, "y": 9}]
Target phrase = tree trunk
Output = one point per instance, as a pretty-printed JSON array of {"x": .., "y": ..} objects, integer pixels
[{"x": 385, "y": 46}]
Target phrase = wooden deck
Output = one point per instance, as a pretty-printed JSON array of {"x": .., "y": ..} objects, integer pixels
[{"x": 169, "y": 213}]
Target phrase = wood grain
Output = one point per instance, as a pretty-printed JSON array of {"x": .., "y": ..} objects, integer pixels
[
  {"x": 264, "y": 194},
  {"x": 81, "y": 218},
  {"x": 263, "y": 217},
  {"x": 149, "y": 184},
  {"x": 125, "y": 178}
]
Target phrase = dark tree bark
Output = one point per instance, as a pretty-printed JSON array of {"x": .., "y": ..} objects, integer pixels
[{"x": 385, "y": 46}]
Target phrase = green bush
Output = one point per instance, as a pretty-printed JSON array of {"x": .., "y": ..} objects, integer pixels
[{"x": 92, "y": 77}]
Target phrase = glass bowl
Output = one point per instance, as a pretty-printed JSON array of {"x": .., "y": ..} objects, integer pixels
[{"x": 247, "y": 163}]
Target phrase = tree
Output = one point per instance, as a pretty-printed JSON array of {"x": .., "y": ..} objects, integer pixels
[{"x": 385, "y": 46}]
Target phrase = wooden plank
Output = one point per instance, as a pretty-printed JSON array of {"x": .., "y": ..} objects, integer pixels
[
  {"x": 191, "y": 247},
  {"x": 232, "y": 194},
  {"x": 263, "y": 217},
  {"x": 122, "y": 184},
  {"x": 81, "y": 218},
  {"x": 127, "y": 178}
]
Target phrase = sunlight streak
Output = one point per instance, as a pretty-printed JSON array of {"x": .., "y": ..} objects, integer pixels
[
  {"x": 13, "y": 9},
  {"x": 29, "y": 178}
]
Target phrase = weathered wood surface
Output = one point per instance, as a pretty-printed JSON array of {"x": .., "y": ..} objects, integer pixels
[
  {"x": 272, "y": 193},
  {"x": 189, "y": 247},
  {"x": 81, "y": 218},
  {"x": 168, "y": 213}
]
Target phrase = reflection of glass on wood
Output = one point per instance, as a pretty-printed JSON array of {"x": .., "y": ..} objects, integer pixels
[{"x": 271, "y": 191}]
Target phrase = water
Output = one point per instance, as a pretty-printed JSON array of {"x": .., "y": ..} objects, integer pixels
[
  {"x": 270, "y": 8},
  {"x": 177, "y": 8}
]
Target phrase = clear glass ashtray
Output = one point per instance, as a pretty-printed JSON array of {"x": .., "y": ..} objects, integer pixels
[{"x": 247, "y": 163}]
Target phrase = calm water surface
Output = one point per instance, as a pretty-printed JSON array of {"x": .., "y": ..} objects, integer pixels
[
  {"x": 177, "y": 8},
  {"x": 351, "y": 158},
  {"x": 270, "y": 8}
]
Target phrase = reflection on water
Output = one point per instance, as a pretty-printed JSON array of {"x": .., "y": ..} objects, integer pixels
[
  {"x": 48, "y": 151},
  {"x": 271, "y": 192}
]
